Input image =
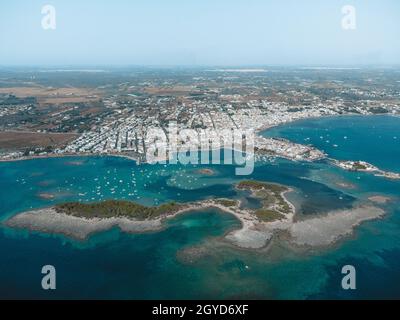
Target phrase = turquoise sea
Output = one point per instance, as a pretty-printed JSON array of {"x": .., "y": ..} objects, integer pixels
[{"x": 163, "y": 265}]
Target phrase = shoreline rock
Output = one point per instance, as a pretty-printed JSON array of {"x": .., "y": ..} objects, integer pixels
[
  {"x": 320, "y": 231},
  {"x": 50, "y": 221},
  {"x": 328, "y": 229}
]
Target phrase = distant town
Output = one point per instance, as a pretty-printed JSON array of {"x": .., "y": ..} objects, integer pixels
[{"x": 54, "y": 112}]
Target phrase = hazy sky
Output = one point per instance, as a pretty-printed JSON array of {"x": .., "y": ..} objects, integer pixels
[{"x": 199, "y": 32}]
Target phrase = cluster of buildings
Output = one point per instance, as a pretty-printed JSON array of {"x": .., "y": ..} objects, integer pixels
[
  {"x": 217, "y": 100},
  {"x": 129, "y": 133}
]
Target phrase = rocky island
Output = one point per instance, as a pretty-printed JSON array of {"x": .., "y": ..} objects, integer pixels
[
  {"x": 362, "y": 166},
  {"x": 258, "y": 225}
]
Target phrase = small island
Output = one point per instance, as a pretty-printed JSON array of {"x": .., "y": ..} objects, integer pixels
[
  {"x": 275, "y": 214},
  {"x": 206, "y": 171},
  {"x": 118, "y": 209},
  {"x": 362, "y": 166},
  {"x": 79, "y": 220}
]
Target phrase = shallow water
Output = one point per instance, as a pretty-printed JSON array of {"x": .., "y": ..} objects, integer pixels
[{"x": 117, "y": 265}]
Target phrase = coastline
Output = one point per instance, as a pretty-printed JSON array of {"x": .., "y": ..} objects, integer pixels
[
  {"x": 67, "y": 155},
  {"x": 257, "y": 131},
  {"x": 326, "y": 230},
  {"x": 253, "y": 234},
  {"x": 317, "y": 232},
  {"x": 48, "y": 220}
]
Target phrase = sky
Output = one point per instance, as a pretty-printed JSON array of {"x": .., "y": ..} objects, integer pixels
[{"x": 200, "y": 32}]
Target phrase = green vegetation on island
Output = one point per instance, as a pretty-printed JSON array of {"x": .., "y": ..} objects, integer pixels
[
  {"x": 117, "y": 208},
  {"x": 267, "y": 215},
  {"x": 359, "y": 166},
  {"x": 274, "y": 205},
  {"x": 258, "y": 185},
  {"x": 226, "y": 202}
]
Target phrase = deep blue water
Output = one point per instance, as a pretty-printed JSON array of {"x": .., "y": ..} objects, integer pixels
[
  {"x": 117, "y": 265},
  {"x": 374, "y": 139}
]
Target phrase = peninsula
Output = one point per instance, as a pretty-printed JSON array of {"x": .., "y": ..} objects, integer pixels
[{"x": 362, "y": 166}]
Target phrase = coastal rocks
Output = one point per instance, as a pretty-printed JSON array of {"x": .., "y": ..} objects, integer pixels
[
  {"x": 79, "y": 221},
  {"x": 192, "y": 255},
  {"x": 258, "y": 225},
  {"x": 50, "y": 221},
  {"x": 326, "y": 230},
  {"x": 380, "y": 199},
  {"x": 362, "y": 166},
  {"x": 249, "y": 239}
]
